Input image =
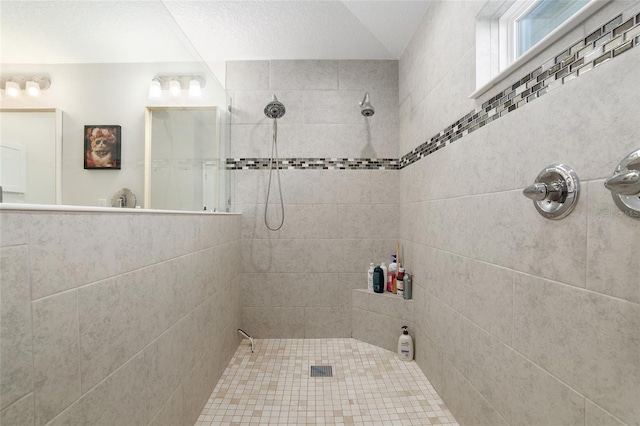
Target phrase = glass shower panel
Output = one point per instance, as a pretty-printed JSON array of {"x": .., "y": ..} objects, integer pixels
[{"x": 185, "y": 169}]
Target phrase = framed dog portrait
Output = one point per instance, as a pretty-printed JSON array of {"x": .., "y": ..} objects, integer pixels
[{"x": 102, "y": 147}]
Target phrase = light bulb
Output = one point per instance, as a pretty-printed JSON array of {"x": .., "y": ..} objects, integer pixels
[
  {"x": 12, "y": 89},
  {"x": 155, "y": 90},
  {"x": 33, "y": 89},
  {"x": 174, "y": 88},
  {"x": 195, "y": 91}
]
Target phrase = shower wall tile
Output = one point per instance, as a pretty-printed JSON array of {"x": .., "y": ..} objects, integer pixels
[
  {"x": 64, "y": 247},
  {"x": 16, "y": 368},
  {"x": 589, "y": 341},
  {"x": 247, "y": 75},
  {"x": 481, "y": 292},
  {"x": 596, "y": 416},
  {"x": 378, "y": 329},
  {"x": 252, "y": 140},
  {"x": 342, "y": 106},
  {"x": 301, "y": 221},
  {"x": 165, "y": 367},
  {"x": 338, "y": 186},
  {"x": 120, "y": 398},
  {"x": 113, "y": 325},
  {"x": 367, "y": 75},
  {"x": 303, "y": 75},
  {"x": 300, "y": 289},
  {"x": 377, "y": 220},
  {"x": 13, "y": 229},
  {"x": 323, "y": 322},
  {"x": 465, "y": 402},
  {"x": 56, "y": 355},
  {"x": 388, "y": 304},
  {"x": 273, "y": 323},
  {"x": 19, "y": 413},
  {"x": 310, "y": 255},
  {"x": 521, "y": 391},
  {"x": 612, "y": 241},
  {"x": 71, "y": 416},
  {"x": 429, "y": 358},
  {"x": 197, "y": 389},
  {"x": 171, "y": 413}
]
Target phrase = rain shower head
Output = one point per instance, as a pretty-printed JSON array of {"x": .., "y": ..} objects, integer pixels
[
  {"x": 366, "y": 107},
  {"x": 274, "y": 109}
]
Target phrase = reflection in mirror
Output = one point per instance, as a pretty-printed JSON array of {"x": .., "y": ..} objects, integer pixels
[
  {"x": 182, "y": 156},
  {"x": 100, "y": 72},
  {"x": 30, "y": 155}
]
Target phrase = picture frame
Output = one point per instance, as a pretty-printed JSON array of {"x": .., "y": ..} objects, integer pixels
[{"x": 102, "y": 146}]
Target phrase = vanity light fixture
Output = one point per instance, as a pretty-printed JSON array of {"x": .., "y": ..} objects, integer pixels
[
  {"x": 32, "y": 85},
  {"x": 175, "y": 84},
  {"x": 195, "y": 91},
  {"x": 174, "y": 88},
  {"x": 155, "y": 90},
  {"x": 12, "y": 89}
]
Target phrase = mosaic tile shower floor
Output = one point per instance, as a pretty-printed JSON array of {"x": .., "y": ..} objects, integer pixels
[{"x": 370, "y": 386}]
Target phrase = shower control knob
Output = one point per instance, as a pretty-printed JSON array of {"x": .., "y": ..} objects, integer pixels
[
  {"x": 554, "y": 192},
  {"x": 542, "y": 191},
  {"x": 625, "y": 185}
]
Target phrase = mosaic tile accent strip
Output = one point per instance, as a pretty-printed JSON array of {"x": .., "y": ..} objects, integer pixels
[
  {"x": 607, "y": 42},
  {"x": 315, "y": 164},
  {"x": 272, "y": 387},
  {"x": 615, "y": 37}
]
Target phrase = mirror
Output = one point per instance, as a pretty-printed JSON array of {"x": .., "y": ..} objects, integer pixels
[
  {"x": 182, "y": 166},
  {"x": 100, "y": 72},
  {"x": 30, "y": 155}
]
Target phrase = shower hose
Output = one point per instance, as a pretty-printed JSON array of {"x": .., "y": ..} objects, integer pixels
[{"x": 274, "y": 148}]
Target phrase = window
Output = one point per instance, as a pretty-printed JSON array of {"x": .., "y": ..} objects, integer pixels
[{"x": 510, "y": 32}]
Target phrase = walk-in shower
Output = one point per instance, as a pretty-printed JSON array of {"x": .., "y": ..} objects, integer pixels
[{"x": 274, "y": 110}]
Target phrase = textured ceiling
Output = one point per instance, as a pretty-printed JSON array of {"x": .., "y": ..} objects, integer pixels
[{"x": 155, "y": 31}]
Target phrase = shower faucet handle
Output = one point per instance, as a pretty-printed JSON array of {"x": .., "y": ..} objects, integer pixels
[
  {"x": 624, "y": 183},
  {"x": 541, "y": 191},
  {"x": 555, "y": 191}
]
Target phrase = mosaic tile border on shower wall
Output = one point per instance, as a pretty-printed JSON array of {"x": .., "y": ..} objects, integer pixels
[
  {"x": 314, "y": 164},
  {"x": 607, "y": 42}
]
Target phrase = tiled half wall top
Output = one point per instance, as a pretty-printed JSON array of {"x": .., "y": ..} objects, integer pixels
[{"x": 607, "y": 42}]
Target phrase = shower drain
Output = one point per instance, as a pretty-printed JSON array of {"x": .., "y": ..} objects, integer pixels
[{"x": 321, "y": 371}]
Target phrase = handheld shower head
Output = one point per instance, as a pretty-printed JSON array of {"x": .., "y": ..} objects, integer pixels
[
  {"x": 274, "y": 109},
  {"x": 366, "y": 107}
]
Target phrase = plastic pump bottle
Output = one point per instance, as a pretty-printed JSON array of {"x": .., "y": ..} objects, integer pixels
[
  {"x": 370, "y": 278},
  {"x": 405, "y": 345},
  {"x": 391, "y": 275},
  {"x": 378, "y": 280}
]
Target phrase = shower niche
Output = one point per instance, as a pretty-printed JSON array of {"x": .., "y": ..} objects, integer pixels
[{"x": 185, "y": 167}]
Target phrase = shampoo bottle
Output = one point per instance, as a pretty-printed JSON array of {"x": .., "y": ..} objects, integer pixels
[
  {"x": 391, "y": 278},
  {"x": 370, "y": 277},
  {"x": 378, "y": 280},
  {"x": 405, "y": 345}
]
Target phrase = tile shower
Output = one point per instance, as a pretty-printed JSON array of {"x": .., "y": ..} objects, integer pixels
[{"x": 517, "y": 319}]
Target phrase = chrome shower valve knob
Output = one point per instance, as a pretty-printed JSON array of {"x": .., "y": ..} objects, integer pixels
[
  {"x": 625, "y": 185},
  {"x": 555, "y": 191}
]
